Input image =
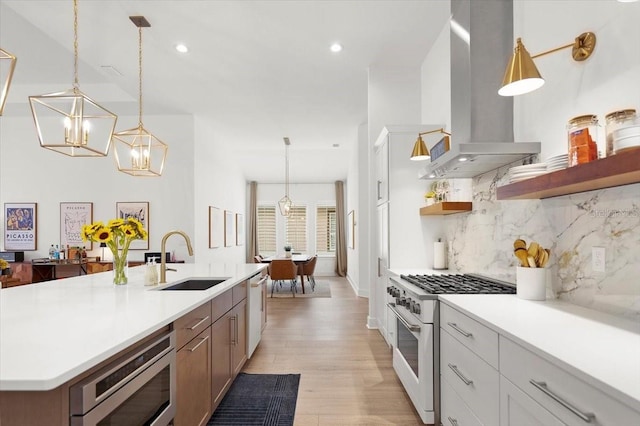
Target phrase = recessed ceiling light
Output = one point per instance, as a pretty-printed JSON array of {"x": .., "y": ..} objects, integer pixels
[
  {"x": 336, "y": 47},
  {"x": 336, "y": 145},
  {"x": 182, "y": 48}
]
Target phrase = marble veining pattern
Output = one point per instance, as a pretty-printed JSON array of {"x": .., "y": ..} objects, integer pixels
[{"x": 482, "y": 241}]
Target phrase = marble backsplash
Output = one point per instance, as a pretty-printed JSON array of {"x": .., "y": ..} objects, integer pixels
[{"x": 482, "y": 241}]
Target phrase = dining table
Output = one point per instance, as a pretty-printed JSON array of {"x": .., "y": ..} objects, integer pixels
[{"x": 298, "y": 259}]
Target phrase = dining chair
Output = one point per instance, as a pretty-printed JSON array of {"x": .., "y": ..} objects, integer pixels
[
  {"x": 281, "y": 270},
  {"x": 308, "y": 269}
]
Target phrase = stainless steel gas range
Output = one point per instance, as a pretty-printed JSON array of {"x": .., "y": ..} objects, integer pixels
[{"x": 415, "y": 334}]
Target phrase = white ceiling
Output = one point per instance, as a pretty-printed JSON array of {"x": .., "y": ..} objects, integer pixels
[{"x": 256, "y": 70}]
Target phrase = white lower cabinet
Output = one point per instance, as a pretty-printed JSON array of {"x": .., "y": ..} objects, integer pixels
[
  {"x": 561, "y": 393},
  {"x": 454, "y": 411},
  {"x": 518, "y": 409}
]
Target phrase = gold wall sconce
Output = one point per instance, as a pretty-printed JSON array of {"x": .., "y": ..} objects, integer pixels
[
  {"x": 420, "y": 151},
  {"x": 522, "y": 76},
  {"x": 6, "y": 56},
  {"x": 70, "y": 122}
]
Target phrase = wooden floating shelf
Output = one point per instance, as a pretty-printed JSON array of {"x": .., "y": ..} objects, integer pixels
[
  {"x": 619, "y": 169},
  {"x": 446, "y": 207}
]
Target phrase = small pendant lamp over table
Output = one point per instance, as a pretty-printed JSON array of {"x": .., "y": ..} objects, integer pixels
[
  {"x": 4, "y": 90},
  {"x": 285, "y": 202}
]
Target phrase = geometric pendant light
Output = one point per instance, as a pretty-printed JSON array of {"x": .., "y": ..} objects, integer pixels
[
  {"x": 285, "y": 204},
  {"x": 4, "y": 89},
  {"x": 70, "y": 122},
  {"x": 138, "y": 152}
]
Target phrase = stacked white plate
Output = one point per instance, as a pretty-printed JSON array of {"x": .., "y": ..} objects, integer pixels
[
  {"x": 557, "y": 162},
  {"x": 527, "y": 171},
  {"x": 626, "y": 138}
]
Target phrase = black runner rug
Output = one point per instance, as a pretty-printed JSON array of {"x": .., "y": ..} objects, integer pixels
[{"x": 258, "y": 399}]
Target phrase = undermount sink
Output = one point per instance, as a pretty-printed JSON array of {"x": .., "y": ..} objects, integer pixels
[{"x": 196, "y": 284}]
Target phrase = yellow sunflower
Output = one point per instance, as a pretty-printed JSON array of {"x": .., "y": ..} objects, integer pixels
[{"x": 103, "y": 235}]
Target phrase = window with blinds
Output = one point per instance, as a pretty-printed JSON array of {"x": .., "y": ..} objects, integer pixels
[
  {"x": 266, "y": 230},
  {"x": 326, "y": 229},
  {"x": 296, "y": 229}
]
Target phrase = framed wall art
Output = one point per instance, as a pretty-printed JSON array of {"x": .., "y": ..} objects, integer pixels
[
  {"x": 229, "y": 228},
  {"x": 138, "y": 210},
  {"x": 72, "y": 217},
  {"x": 351, "y": 229},
  {"x": 21, "y": 229},
  {"x": 239, "y": 229},
  {"x": 216, "y": 227}
]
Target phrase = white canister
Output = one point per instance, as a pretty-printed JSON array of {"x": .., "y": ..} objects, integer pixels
[{"x": 531, "y": 283}]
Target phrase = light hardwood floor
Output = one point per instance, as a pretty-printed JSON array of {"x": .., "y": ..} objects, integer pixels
[{"x": 346, "y": 370}]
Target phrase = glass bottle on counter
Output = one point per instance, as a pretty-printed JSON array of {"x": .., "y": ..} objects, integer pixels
[
  {"x": 582, "y": 134},
  {"x": 615, "y": 120}
]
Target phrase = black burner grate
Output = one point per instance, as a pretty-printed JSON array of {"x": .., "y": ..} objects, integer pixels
[{"x": 459, "y": 284}]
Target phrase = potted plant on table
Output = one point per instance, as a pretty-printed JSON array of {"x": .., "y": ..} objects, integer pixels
[
  {"x": 430, "y": 197},
  {"x": 4, "y": 267},
  {"x": 287, "y": 250}
]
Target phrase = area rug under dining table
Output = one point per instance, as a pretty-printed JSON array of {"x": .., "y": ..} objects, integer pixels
[{"x": 259, "y": 399}]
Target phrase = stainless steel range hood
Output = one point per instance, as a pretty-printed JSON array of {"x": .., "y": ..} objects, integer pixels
[{"x": 481, "y": 41}]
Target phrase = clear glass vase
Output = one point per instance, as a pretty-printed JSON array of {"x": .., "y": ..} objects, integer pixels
[{"x": 120, "y": 267}]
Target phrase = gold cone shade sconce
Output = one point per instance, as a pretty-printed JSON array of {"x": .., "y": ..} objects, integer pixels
[
  {"x": 138, "y": 152},
  {"x": 420, "y": 151},
  {"x": 522, "y": 75},
  {"x": 285, "y": 204},
  {"x": 70, "y": 122},
  {"x": 6, "y": 57}
]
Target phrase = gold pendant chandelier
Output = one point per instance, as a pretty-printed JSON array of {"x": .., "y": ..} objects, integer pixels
[
  {"x": 285, "y": 204},
  {"x": 4, "y": 90},
  {"x": 70, "y": 122},
  {"x": 138, "y": 152}
]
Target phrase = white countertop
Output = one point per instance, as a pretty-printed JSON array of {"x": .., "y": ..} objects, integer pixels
[
  {"x": 601, "y": 349},
  {"x": 52, "y": 331}
]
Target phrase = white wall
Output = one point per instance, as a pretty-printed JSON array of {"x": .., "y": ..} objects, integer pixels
[
  {"x": 29, "y": 173},
  {"x": 219, "y": 184},
  {"x": 311, "y": 196}
]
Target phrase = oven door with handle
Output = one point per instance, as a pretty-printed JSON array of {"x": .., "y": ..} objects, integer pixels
[
  {"x": 138, "y": 389},
  {"x": 413, "y": 361}
]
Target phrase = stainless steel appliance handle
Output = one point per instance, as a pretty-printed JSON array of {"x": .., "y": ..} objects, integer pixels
[
  {"x": 542, "y": 386},
  {"x": 409, "y": 326},
  {"x": 453, "y": 422},
  {"x": 259, "y": 283},
  {"x": 198, "y": 323},
  {"x": 459, "y": 330},
  {"x": 193, "y": 349},
  {"x": 459, "y": 374},
  {"x": 378, "y": 189}
]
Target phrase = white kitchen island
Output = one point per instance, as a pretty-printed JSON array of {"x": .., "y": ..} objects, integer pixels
[{"x": 52, "y": 331}]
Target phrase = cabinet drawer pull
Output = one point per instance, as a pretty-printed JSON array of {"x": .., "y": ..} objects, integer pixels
[
  {"x": 459, "y": 374},
  {"x": 198, "y": 323},
  {"x": 542, "y": 386},
  {"x": 204, "y": 339},
  {"x": 234, "y": 341},
  {"x": 453, "y": 421},
  {"x": 459, "y": 330},
  {"x": 378, "y": 189}
]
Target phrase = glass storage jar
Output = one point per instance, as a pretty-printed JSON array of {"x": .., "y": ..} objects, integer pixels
[
  {"x": 582, "y": 132},
  {"x": 615, "y": 120}
]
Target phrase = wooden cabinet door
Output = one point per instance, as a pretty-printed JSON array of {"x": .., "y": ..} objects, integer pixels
[
  {"x": 239, "y": 338},
  {"x": 193, "y": 389},
  {"x": 221, "y": 374}
]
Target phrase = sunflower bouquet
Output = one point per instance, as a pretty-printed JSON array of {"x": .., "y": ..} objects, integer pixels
[{"x": 117, "y": 234}]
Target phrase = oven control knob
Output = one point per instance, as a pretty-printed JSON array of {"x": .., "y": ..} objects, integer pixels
[
  {"x": 412, "y": 303},
  {"x": 402, "y": 301},
  {"x": 416, "y": 308},
  {"x": 389, "y": 290},
  {"x": 407, "y": 303}
]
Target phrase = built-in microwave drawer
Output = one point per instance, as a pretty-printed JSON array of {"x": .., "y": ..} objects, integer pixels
[
  {"x": 572, "y": 400},
  {"x": 475, "y": 336},
  {"x": 477, "y": 382}
]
